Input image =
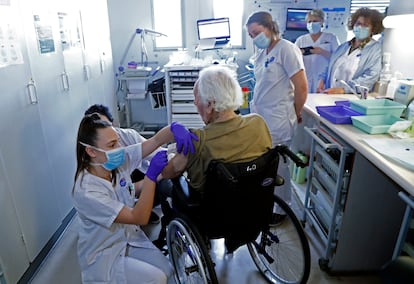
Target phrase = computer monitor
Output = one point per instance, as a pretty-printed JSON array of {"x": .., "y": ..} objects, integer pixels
[
  {"x": 218, "y": 29},
  {"x": 296, "y": 19}
]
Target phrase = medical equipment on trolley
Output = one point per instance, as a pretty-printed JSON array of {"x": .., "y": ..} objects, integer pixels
[{"x": 141, "y": 69}]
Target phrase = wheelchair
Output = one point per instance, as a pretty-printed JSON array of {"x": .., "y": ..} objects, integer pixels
[{"x": 237, "y": 205}]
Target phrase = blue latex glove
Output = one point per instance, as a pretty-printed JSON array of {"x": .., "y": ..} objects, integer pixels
[
  {"x": 183, "y": 137},
  {"x": 158, "y": 163}
]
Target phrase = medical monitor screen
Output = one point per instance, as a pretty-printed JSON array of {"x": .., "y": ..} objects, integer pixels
[
  {"x": 214, "y": 28},
  {"x": 296, "y": 19}
]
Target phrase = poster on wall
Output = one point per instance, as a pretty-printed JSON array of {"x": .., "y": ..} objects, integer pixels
[
  {"x": 44, "y": 34},
  {"x": 69, "y": 30},
  {"x": 335, "y": 17},
  {"x": 10, "y": 50}
]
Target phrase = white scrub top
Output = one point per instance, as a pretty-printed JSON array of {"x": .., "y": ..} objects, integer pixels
[
  {"x": 128, "y": 136},
  {"x": 102, "y": 243},
  {"x": 345, "y": 67},
  {"x": 316, "y": 63},
  {"x": 274, "y": 92}
]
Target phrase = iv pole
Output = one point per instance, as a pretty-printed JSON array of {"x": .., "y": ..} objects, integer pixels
[{"x": 144, "y": 53}]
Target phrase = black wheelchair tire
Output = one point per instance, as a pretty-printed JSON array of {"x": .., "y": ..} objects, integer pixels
[
  {"x": 205, "y": 267},
  {"x": 303, "y": 257}
]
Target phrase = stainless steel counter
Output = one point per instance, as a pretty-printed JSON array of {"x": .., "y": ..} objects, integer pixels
[{"x": 404, "y": 177}]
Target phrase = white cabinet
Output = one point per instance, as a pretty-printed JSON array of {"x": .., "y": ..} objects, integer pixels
[
  {"x": 37, "y": 145},
  {"x": 352, "y": 206},
  {"x": 179, "y": 82}
]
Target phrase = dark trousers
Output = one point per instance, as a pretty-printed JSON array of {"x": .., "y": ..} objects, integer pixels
[{"x": 162, "y": 191}]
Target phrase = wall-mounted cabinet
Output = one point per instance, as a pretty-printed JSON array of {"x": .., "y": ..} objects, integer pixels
[{"x": 44, "y": 96}]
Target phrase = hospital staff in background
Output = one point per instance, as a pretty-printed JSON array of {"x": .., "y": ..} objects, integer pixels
[
  {"x": 112, "y": 248},
  {"x": 317, "y": 47},
  {"x": 356, "y": 62},
  {"x": 281, "y": 88}
]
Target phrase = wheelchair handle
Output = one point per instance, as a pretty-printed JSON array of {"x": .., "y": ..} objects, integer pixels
[{"x": 284, "y": 151}]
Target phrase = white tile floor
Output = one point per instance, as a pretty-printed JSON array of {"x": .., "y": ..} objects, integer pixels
[{"x": 61, "y": 265}]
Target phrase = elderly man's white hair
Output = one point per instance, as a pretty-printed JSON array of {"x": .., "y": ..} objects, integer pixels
[{"x": 219, "y": 84}]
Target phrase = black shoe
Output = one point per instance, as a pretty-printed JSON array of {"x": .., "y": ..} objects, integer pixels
[
  {"x": 161, "y": 244},
  {"x": 277, "y": 219},
  {"x": 154, "y": 218}
]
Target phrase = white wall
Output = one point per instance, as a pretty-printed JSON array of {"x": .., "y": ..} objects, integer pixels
[
  {"x": 399, "y": 41},
  {"x": 132, "y": 14}
]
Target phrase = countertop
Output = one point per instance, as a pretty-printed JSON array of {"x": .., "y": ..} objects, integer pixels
[{"x": 404, "y": 177}]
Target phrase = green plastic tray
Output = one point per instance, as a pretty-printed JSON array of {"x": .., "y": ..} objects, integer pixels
[
  {"x": 374, "y": 124},
  {"x": 377, "y": 106}
]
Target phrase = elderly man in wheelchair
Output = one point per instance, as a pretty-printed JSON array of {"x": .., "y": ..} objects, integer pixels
[{"x": 228, "y": 190}]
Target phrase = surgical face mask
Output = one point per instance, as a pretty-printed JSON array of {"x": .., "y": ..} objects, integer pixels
[
  {"x": 361, "y": 33},
  {"x": 261, "y": 41},
  {"x": 114, "y": 158},
  {"x": 314, "y": 27}
]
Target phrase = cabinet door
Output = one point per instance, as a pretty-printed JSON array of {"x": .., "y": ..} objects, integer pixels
[
  {"x": 13, "y": 256},
  {"x": 69, "y": 106},
  {"x": 48, "y": 157},
  {"x": 59, "y": 76},
  {"x": 98, "y": 53},
  {"x": 23, "y": 150}
]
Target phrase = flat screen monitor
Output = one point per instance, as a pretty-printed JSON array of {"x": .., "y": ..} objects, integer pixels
[
  {"x": 296, "y": 19},
  {"x": 214, "y": 28}
]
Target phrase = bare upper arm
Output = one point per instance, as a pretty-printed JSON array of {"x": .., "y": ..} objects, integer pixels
[
  {"x": 176, "y": 166},
  {"x": 300, "y": 82}
]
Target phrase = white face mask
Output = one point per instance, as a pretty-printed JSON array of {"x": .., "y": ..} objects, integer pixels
[
  {"x": 314, "y": 27},
  {"x": 361, "y": 33},
  {"x": 261, "y": 41},
  {"x": 114, "y": 158}
]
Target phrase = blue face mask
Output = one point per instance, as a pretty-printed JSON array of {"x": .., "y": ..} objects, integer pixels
[
  {"x": 261, "y": 41},
  {"x": 361, "y": 33},
  {"x": 114, "y": 158},
  {"x": 314, "y": 27}
]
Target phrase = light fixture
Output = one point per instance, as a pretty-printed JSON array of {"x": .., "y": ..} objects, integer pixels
[{"x": 398, "y": 21}]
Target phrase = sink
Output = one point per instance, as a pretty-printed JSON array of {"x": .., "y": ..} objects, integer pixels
[{"x": 399, "y": 150}]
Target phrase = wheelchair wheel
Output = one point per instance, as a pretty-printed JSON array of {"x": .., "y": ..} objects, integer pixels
[
  {"x": 281, "y": 253},
  {"x": 188, "y": 253}
]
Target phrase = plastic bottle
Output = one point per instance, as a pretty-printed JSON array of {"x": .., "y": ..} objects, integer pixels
[
  {"x": 246, "y": 93},
  {"x": 385, "y": 77},
  {"x": 301, "y": 172},
  {"x": 295, "y": 168},
  {"x": 410, "y": 116},
  {"x": 393, "y": 84}
]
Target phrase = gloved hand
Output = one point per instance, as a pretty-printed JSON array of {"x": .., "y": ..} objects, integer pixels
[
  {"x": 183, "y": 137},
  {"x": 158, "y": 163}
]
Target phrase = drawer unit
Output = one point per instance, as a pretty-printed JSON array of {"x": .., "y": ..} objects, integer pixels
[
  {"x": 183, "y": 107},
  {"x": 180, "y": 82},
  {"x": 351, "y": 206},
  {"x": 326, "y": 190}
]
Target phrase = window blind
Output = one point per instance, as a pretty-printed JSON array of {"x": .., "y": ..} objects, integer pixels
[{"x": 380, "y": 5}]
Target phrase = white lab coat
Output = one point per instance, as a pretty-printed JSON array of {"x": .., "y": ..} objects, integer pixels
[{"x": 316, "y": 63}]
